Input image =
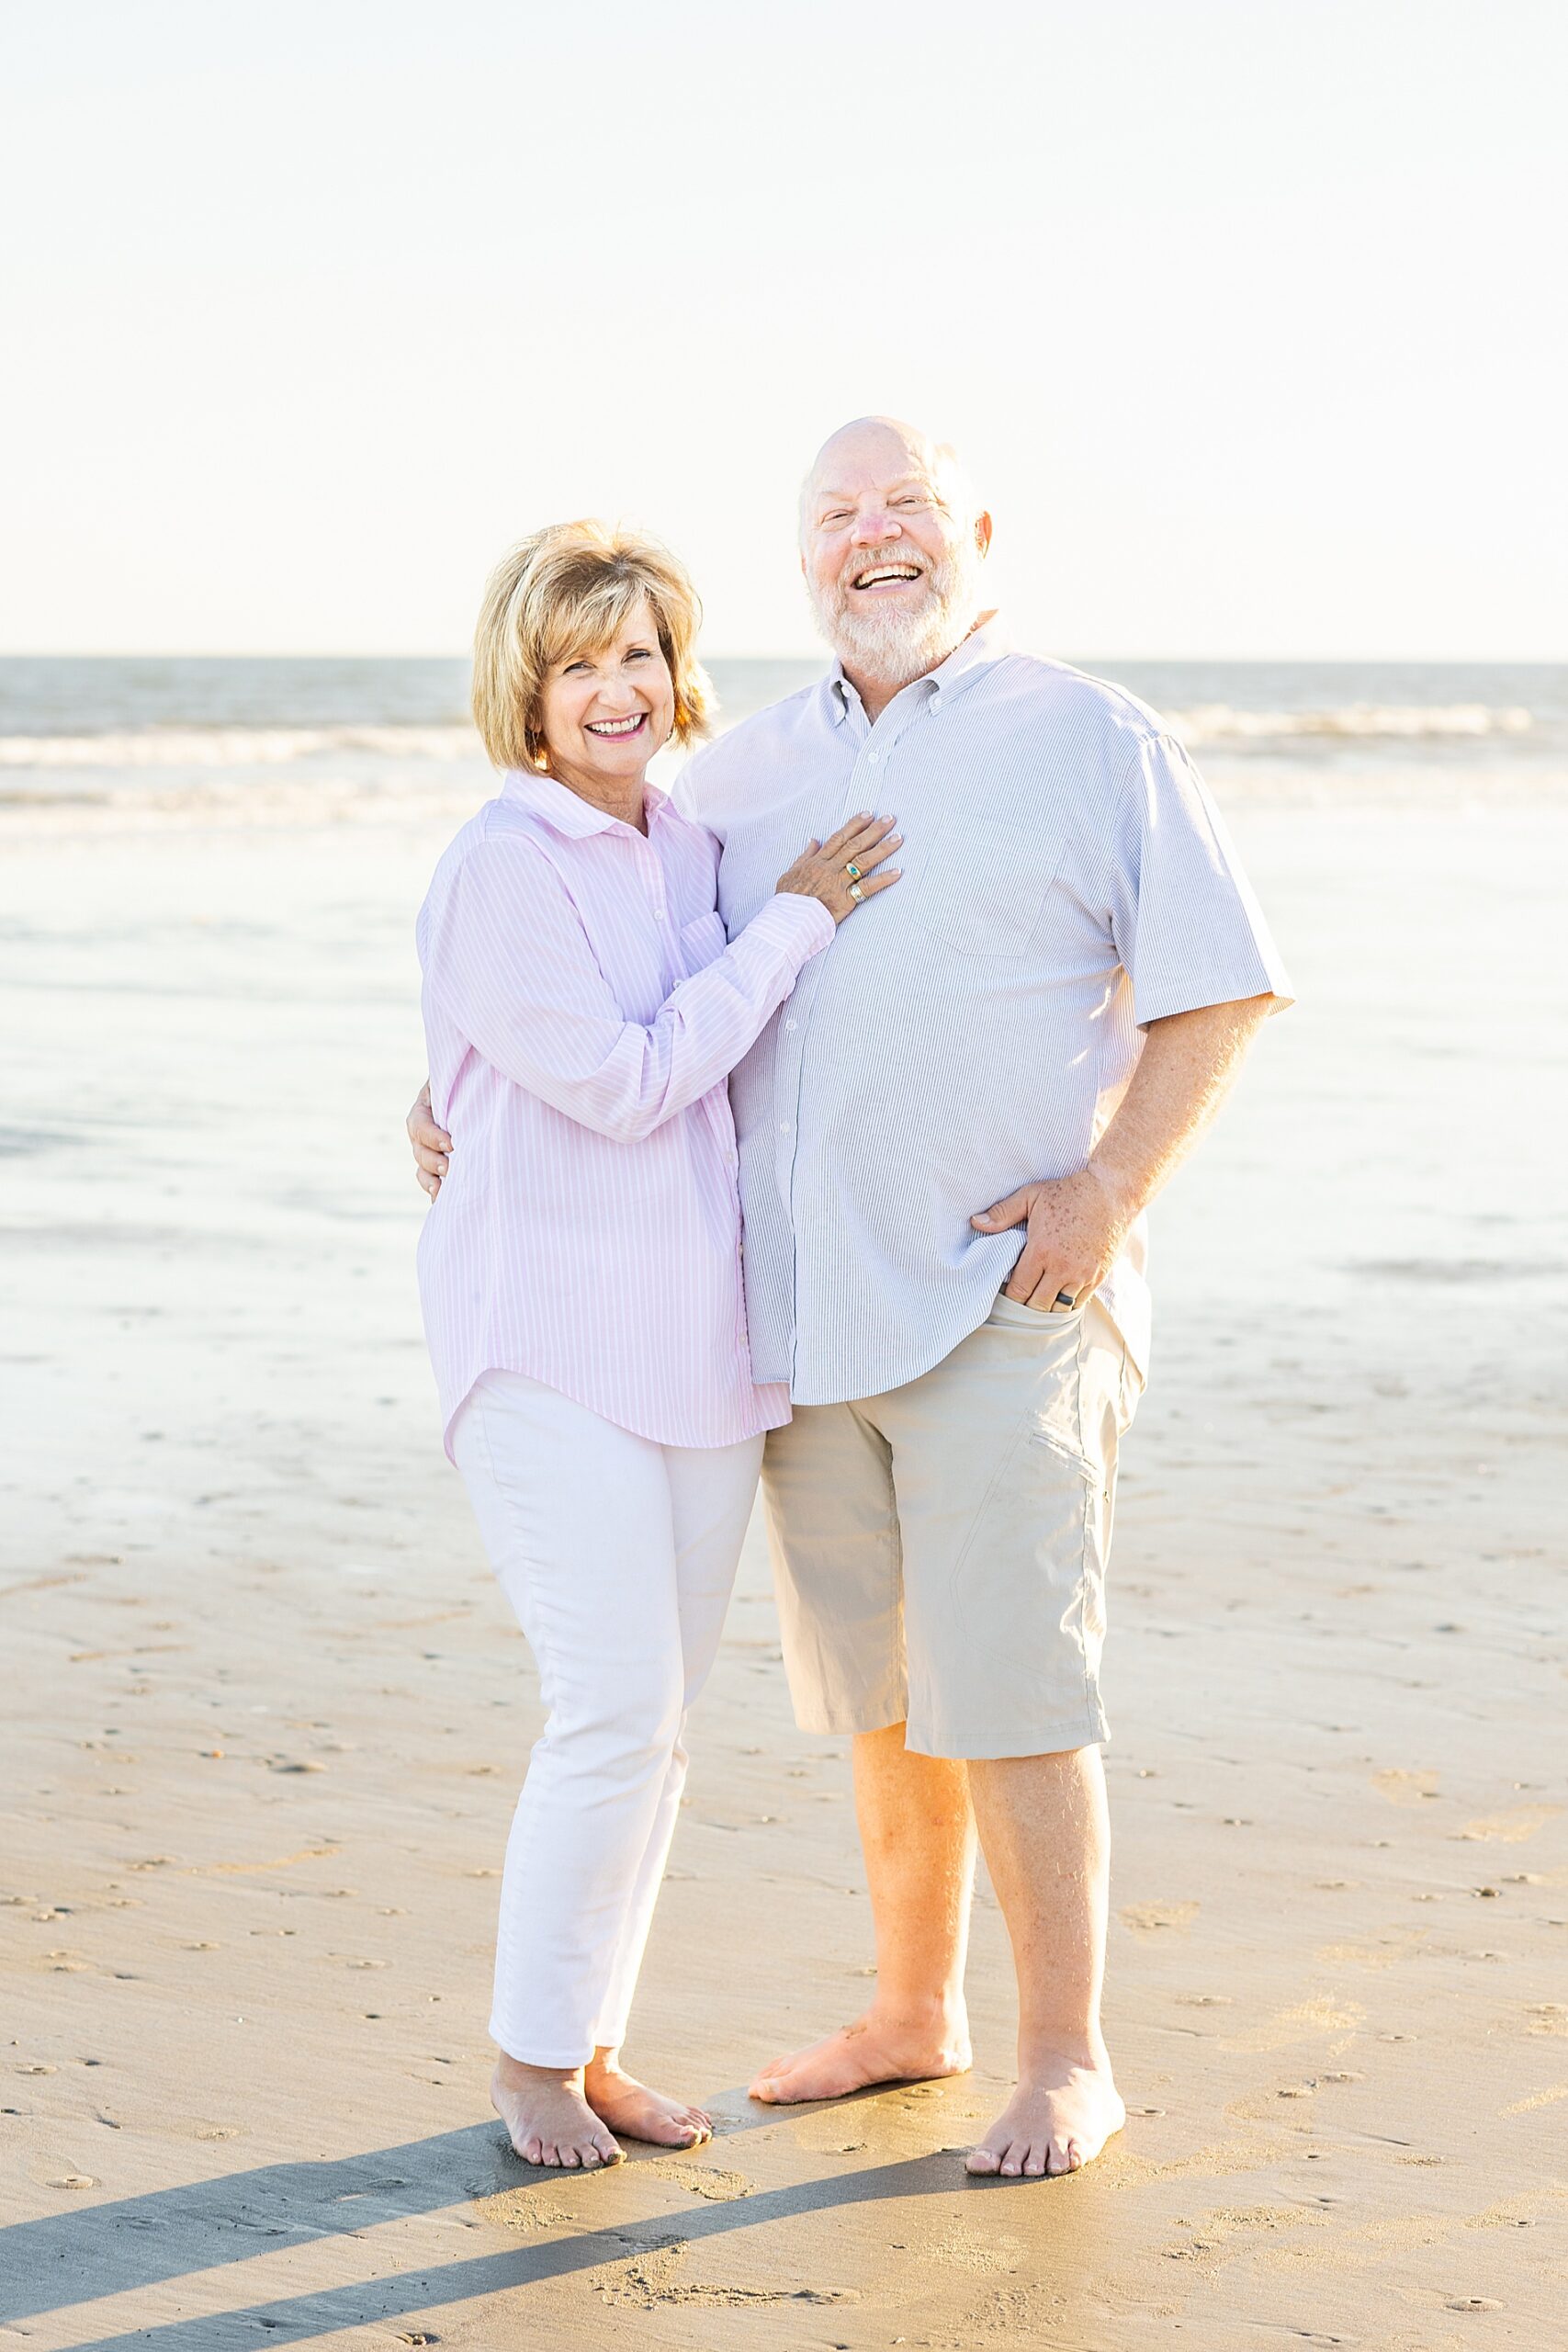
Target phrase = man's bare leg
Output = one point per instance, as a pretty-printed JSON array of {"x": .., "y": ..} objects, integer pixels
[
  {"x": 917, "y": 1834},
  {"x": 1045, "y": 1835}
]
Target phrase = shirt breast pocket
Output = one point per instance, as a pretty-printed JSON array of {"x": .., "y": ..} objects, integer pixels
[
  {"x": 986, "y": 883},
  {"x": 703, "y": 942}
]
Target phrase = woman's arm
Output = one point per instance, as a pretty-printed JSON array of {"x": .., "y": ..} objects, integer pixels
[{"x": 508, "y": 960}]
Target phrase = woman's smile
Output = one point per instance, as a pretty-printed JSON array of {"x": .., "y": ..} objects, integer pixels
[{"x": 634, "y": 723}]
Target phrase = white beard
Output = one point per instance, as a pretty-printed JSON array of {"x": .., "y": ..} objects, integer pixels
[{"x": 891, "y": 643}]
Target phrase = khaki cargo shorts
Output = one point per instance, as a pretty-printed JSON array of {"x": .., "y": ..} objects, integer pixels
[{"x": 940, "y": 1552}]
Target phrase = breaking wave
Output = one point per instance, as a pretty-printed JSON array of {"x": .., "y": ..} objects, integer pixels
[
  {"x": 266, "y": 747},
  {"x": 233, "y": 747},
  {"x": 1221, "y": 722}
]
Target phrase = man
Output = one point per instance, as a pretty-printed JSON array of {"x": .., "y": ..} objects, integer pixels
[{"x": 948, "y": 1136}]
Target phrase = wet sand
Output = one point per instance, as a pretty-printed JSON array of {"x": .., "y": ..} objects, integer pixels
[{"x": 266, "y": 1716}]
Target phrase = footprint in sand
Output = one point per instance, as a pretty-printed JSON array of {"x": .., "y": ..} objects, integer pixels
[
  {"x": 1403, "y": 1944},
  {"x": 654, "y": 2280},
  {"x": 1404, "y": 1788},
  {"x": 1306, "y": 2022},
  {"x": 1511, "y": 1828},
  {"x": 709, "y": 2181},
  {"x": 1147, "y": 1919}
]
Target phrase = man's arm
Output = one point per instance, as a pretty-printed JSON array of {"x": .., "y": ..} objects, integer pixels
[{"x": 1077, "y": 1224}]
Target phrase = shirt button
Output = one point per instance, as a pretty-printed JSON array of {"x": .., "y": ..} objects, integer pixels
[
  {"x": 792, "y": 1024},
  {"x": 873, "y": 757},
  {"x": 784, "y": 1126}
]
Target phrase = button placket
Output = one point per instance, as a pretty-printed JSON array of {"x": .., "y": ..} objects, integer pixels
[
  {"x": 788, "y": 1069},
  {"x": 788, "y": 1062},
  {"x": 651, "y": 874},
  {"x": 873, "y": 760}
]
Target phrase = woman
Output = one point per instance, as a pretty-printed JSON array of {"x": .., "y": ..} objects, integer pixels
[{"x": 581, "y": 1271}]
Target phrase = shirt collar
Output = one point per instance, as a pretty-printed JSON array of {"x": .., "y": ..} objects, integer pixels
[
  {"x": 984, "y": 644},
  {"x": 566, "y": 811}
]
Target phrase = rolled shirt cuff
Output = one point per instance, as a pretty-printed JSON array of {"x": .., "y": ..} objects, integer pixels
[{"x": 801, "y": 927}]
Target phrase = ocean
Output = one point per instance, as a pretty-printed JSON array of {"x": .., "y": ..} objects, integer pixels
[{"x": 282, "y": 739}]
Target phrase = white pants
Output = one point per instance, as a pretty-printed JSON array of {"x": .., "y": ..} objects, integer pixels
[{"x": 618, "y": 1556}]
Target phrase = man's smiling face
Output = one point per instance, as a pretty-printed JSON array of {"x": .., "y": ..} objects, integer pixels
[{"x": 891, "y": 549}]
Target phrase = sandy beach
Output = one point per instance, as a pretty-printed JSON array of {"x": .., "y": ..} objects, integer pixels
[{"x": 266, "y": 1716}]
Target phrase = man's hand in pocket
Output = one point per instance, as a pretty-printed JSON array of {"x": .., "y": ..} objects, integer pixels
[{"x": 1077, "y": 1225}]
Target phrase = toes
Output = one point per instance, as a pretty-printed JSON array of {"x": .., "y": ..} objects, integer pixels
[
  {"x": 532, "y": 2149},
  {"x": 1034, "y": 2163},
  {"x": 982, "y": 2160},
  {"x": 1065, "y": 2155},
  {"x": 609, "y": 2151}
]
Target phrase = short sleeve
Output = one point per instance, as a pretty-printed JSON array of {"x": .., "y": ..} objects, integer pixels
[{"x": 1185, "y": 921}]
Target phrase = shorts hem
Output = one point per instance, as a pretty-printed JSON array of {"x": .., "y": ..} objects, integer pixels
[
  {"x": 847, "y": 1722},
  {"x": 990, "y": 1745}
]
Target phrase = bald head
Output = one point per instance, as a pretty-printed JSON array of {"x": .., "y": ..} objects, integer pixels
[
  {"x": 885, "y": 447},
  {"x": 892, "y": 538}
]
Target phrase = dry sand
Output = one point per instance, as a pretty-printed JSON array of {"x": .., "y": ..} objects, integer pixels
[{"x": 266, "y": 1716}]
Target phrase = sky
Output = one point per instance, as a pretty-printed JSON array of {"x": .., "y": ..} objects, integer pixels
[{"x": 1247, "y": 315}]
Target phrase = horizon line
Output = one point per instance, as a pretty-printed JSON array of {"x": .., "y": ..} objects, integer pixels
[{"x": 1097, "y": 654}]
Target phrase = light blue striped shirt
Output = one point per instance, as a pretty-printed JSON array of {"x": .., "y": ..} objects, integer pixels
[{"x": 1067, "y": 879}]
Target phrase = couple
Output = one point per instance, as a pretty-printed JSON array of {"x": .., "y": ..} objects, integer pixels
[{"x": 963, "y": 933}]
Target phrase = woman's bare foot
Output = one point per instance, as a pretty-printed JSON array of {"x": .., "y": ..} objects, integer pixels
[
  {"x": 1058, "y": 2120},
  {"x": 875, "y": 2049},
  {"x": 628, "y": 2106},
  {"x": 547, "y": 2118}
]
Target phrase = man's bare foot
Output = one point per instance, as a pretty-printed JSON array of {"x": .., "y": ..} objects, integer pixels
[
  {"x": 547, "y": 2118},
  {"x": 628, "y": 2106},
  {"x": 872, "y": 2050},
  {"x": 1058, "y": 2120}
]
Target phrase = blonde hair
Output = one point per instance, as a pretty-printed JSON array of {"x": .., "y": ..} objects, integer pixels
[{"x": 571, "y": 590}]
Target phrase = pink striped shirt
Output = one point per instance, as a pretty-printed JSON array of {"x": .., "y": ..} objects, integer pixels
[{"x": 582, "y": 1013}]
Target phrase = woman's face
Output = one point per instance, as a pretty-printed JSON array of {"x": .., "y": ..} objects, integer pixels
[{"x": 604, "y": 715}]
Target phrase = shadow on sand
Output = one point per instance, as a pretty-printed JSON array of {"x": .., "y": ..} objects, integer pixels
[{"x": 140, "y": 2242}]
